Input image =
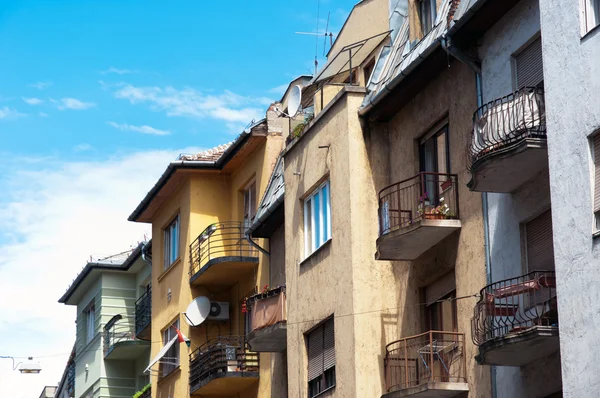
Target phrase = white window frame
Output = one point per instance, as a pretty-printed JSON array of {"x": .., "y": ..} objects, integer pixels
[
  {"x": 90, "y": 323},
  {"x": 310, "y": 242},
  {"x": 590, "y": 15},
  {"x": 171, "y": 256},
  {"x": 167, "y": 335}
]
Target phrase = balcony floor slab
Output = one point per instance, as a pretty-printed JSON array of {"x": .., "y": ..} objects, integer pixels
[
  {"x": 129, "y": 350},
  {"x": 410, "y": 242},
  {"x": 225, "y": 384},
  {"x": 432, "y": 389},
  {"x": 224, "y": 271}
]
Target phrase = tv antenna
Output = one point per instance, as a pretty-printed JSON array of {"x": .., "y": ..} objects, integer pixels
[{"x": 317, "y": 34}]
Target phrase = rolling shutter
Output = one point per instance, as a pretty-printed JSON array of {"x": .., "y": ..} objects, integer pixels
[
  {"x": 440, "y": 288},
  {"x": 597, "y": 173},
  {"x": 328, "y": 345},
  {"x": 540, "y": 250},
  {"x": 529, "y": 67},
  {"x": 315, "y": 353}
]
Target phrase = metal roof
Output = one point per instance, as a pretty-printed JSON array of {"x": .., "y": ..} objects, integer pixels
[{"x": 272, "y": 197}]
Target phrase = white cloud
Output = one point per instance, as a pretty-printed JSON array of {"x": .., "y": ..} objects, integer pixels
[
  {"x": 189, "y": 102},
  {"x": 53, "y": 216},
  {"x": 279, "y": 90},
  {"x": 117, "y": 71},
  {"x": 140, "y": 129},
  {"x": 8, "y": 113},
  {"x": 41, "y": 85},
  {"x": 72, "y": 103},
  {"x": 32, "y": 100},
  {"x": 43, "y": 114}
]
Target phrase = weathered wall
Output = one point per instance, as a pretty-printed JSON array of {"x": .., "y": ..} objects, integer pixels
[
  {"x": 572, "y": 81},
  {"x": 277, "y": 259},
  {"x": 451, "y": 96}
]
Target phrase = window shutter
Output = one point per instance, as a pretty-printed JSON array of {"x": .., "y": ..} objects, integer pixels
[
  {"x": 529, "y": 67},
  {"x": 540, "y": 251},
  {"x": 440, "y": 288},
  {"x": 597, "y": 172},
  {"x": 328, "y": 345},
  {"x": 315, "y": 353}
]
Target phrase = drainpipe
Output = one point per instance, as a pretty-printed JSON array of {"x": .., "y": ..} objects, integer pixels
[
  {"x": 475, "y": 65},
  {"x": 256, "y": 246}
]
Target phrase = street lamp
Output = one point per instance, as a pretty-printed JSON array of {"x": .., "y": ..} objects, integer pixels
[{"x": 28, "y": 366}]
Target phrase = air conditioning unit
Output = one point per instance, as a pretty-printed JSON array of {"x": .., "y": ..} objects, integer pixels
[{"x": 219, "y": 311}]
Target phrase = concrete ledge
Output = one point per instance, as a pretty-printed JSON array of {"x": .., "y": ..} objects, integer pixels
[
  {"x": 431, "y": 389},
  {"x": 269, "y": 339}
]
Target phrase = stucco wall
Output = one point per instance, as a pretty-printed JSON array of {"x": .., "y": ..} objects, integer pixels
[
  {"x": 572, "y": 81},
  {"x": 277, "y": 259}
]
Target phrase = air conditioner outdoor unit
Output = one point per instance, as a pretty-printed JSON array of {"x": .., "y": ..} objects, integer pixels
[{"x": 219, "y": 311}]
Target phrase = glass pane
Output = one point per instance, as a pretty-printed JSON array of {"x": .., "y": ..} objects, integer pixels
[
  {"x": 441, "y": 154},
  {"x": 326, "y": 224},
  {"x": 317, "y": 215},
  {"x": 308, "y": 225}
]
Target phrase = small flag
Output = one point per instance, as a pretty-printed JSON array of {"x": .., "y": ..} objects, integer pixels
[{"x": 182, "y": 337}]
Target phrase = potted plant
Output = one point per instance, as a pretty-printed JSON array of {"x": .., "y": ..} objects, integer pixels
[{"x": 439, "y": 212}]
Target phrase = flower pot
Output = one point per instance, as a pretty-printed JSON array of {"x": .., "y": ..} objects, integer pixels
[{"x": 432, "y": 216}]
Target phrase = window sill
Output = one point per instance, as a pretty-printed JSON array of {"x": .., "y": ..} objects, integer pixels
[
  {"x": 324, "y": 392},
  {"x": 596, "y": 235},
  {"x": 313, "y": 254},
  {"x": 590, "y": 32},
  {"x": 169, "y": 375},
  {"x": 165, "y": 272}
]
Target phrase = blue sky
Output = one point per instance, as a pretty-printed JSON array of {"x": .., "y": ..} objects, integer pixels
[{"x": 95, "y": 98}]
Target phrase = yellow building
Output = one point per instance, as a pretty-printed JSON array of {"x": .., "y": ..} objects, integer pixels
[{"x": 200, "y": 209}]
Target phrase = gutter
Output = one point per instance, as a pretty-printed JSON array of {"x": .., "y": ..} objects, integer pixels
[
  {"x": 466, "y": 17},
  {"x": 256, "y": 245},
  {"x": 270, "y": 210}
]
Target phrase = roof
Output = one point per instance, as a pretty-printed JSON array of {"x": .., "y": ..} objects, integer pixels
[
  {"x": 272, "y": 198},
  {"x": 404, "y": 57},
  {"x": 117, "y": 262},
  {"x": 213, "y": 159}
]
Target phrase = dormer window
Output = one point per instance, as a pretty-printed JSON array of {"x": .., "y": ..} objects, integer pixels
[{"x": 427, "y": 15}]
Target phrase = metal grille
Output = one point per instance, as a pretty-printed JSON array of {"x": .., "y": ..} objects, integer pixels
[
  {"x": 220, "y": 239},
  {"x": 71, "y": 379},
  {"x": 424, "y": 196},
  {"x": 117, "y": 330},
  {"x": 432, "y": 356},
  {"x": 529, "y": 67},
  {"x": 143, "y": 311}
]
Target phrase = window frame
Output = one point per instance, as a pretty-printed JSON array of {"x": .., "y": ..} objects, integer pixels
[
  {"x": 327, "y": 379},
  {"x": 90, "y": 323},
  {"x": 432, "y": 5},
  {"x": 168, "y": 258},
  {"x": 312, "y": 242},
  {"x": 595, "y": 175},
  {"x": 251, "y": 205},
  {"x": 590, "y": 15},
  {"x": 167, "y": 335}
]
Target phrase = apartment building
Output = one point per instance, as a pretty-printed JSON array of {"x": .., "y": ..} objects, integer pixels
[
  {"x": 66, "y": 386},
  {"x": 200, "y": 210},
  {"x": 109, "y": 359}
]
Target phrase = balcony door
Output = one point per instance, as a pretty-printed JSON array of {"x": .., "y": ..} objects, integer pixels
[{"x": 433, "y": 158}]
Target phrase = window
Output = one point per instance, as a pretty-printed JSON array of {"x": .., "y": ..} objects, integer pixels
[
  {"x": 528, "y": 66},
  {"x": 170, "y": 361},
  {"x": 368, "y": 70},
  {"x": 427, "y": 15},
  {"x": 171, "y": 243},
  {"x": 90, "y": 323},
  {"x": 441, "y": 310},
  {"x": 434, "y": 158},
  {"x": 590, "y": 17},
  {"x": 539, "y": 244},
  {"x": 249, "y": 204},
  {"x": 596, "y": 157},
  {"x": 321, "y": 358},
  {"x": 317, "y": 219}
]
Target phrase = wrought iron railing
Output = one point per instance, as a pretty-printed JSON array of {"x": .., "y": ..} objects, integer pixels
[
  {"x": 71, "y": 379},
  {"x": 506, "y": 121},
  {"x": 434, "y": 356},
  {"x": 117, "y": 330},
  {"x": 219, "y": 357},
  {"x": 143, "y": 311},
  {"x": 220, "y": 239},
  {"x": 266, "y": 308},
  {"x": 147, "y": 393},
  {"x": 514, "y": 305},
  {"x": 424, "y": 196}
]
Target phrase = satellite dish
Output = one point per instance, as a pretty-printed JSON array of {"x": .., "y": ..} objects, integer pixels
[
  {"x": 294, "y": 100},
  {"x": 197, "y": 311}
]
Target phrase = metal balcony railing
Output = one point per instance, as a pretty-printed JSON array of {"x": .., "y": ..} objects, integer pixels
[
  {"x": 505, "y": 121},
  {"x": 143, "y": 311},
  {"x": 424, "y": 196},
  {"x": 147, "y": 393},
  {"x": 434, "y": 356},
  {"x": 71, "y": 379},
  {"x": 514, "y": 305},
  {"x": 222, "y": 239},
  {"x": 219, "y": 357},
  {"x": 115, "y": 331}
]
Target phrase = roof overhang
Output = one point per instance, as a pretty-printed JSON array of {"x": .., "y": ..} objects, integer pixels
[{"x": 178, "y": 171}]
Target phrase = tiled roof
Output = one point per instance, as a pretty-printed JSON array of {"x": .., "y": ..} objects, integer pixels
[{"x": 210, "y": 155}]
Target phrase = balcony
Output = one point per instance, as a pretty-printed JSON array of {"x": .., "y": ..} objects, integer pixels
[
  {"x": 147, "y": 393},
  {"x": 120, "y": 341},
  {"x": 508, "y": 145},
  {"x": 221, "y": 255},
  {"x": 416, "y": 214},
  {"x": 143, "y": 316},
  {"x": 431, "y": 364},
  {"x": 71, "y": 379},
  {"x": 266, "y": 314},
  {"x": 223, "y": 366},
  {"x": 516, "y": 320}
]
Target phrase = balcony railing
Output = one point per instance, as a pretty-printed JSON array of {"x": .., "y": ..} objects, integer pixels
[
  {"x": 434, "y": 356},
  {"x": 143, "y": 312},
  {"x": 505, "y": 121},
  {"x": 515, "y": 305},
  {"x": 147, "y": 393},
  {"x": 429, "y": 196},
  {"x": 117, "y": 330},
  {"x": 71, "y": 379},
  {"x": 220, "y": 240},
  {"x": 225, "y": 356}
]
